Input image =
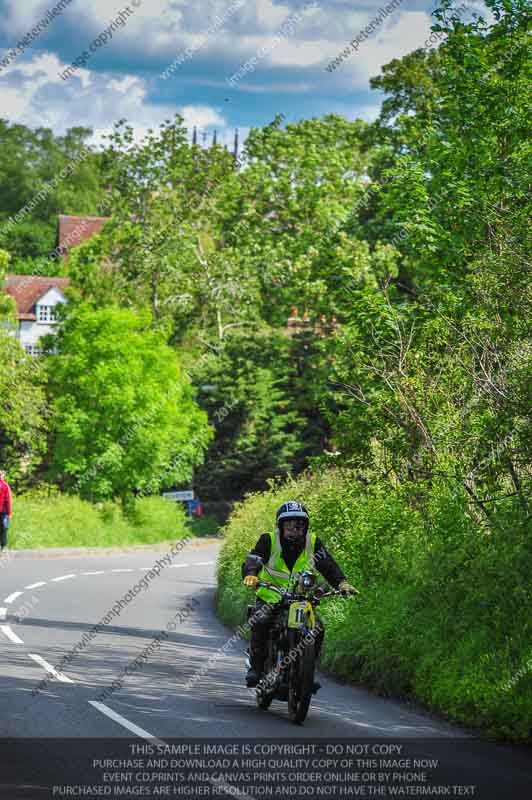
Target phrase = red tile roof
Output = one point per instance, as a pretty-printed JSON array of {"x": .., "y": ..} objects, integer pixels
[
  {"x": 27, "y": 289},
  {"x": 74, "y": 230}
]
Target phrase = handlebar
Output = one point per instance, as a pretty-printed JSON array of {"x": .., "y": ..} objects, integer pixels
[{"x": 286, "y": 594}]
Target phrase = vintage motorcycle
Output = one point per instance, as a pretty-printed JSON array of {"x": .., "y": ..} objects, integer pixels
[{"x": 290, "y": 657}]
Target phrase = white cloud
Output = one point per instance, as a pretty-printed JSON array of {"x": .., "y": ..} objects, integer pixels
[
  {"x": 294, "y": 53},
  {"x": 202, "y": 116},
  {"x": 33, "y": 94},
  {"x": 397, "y": 37},
  {"x": 366, "y": 111},
  {"x": 42, "y": 69},
  {"x": 160, "y": 30},
  {"x": 407, "y": 32},
  {"x": 96, "y": 15}
]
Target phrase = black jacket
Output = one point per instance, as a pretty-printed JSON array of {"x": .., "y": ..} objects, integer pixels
[{"x": 324, "y": 562}]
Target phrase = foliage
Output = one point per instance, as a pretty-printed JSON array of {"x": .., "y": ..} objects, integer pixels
[
  {"x": 244, "y": 388},
  {"x": 43, "y": 175},
  {"x": 431, "y": 368},
  {"x": 444, "y": 612},
  {"x": 342, "y": 291},
  {"x": 22, "y": 402},
  {"x": 42, "y": 519},
  {"x": 219, "y": 253},
  {"x": 205, "y": 526},
  {"x": 434, "y": 371},
  {"x": 124, "y": 418}
]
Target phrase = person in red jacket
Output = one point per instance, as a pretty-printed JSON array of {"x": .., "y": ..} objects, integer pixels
[{"x": 5, "y": 508}]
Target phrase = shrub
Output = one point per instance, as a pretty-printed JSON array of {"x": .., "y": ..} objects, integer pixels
[{"x": 444, "y": 615}]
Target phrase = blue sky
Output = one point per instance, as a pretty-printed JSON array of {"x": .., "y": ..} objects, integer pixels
[{"x": 291, "y": 40}]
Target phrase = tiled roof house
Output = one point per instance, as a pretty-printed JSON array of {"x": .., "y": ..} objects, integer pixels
[
  {"x": 36, "y": 298},
  {"x": 71, "y": 231}
]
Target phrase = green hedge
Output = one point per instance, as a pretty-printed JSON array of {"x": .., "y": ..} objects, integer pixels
[
  {"x": 55, "y": 520},
  {"x": 445, "y": 612}
]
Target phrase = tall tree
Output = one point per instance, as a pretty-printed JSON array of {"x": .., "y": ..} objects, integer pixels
[
  {"x": 124, "y": 416},
  {"x": 23, "y": 420},
  {"x": 437, "y": 369},
  {"x": 41, "y": 176}
]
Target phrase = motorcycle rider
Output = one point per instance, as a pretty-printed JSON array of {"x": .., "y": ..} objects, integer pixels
[{"x": 291, "y": 548}]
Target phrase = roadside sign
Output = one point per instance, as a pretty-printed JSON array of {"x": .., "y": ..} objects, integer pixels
[{"x": 188, "y": 495}]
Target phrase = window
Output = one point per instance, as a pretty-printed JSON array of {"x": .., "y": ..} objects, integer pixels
[{"x": 46, "y": 314}]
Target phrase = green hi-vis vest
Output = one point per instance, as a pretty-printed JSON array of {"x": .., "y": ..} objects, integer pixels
[{"x": 279, "y": 574}]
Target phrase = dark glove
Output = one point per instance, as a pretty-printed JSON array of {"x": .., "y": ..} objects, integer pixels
[{"x": 347, "y": 589}]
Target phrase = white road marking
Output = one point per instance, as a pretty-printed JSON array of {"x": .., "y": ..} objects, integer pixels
[
  {"x": 121, "y": 570},
  {"x": 98, "y": 572},
  {"x": 63, "y": 578},
  {"x": 145, "y": 568},
  {"x": 12, "y": 597},
  {"x": 60, "y": 676},
  {"x": 36, "y": 585},
  {"x": 179, "y": 566},
  {"x": 3, "y": 612},
  {"x": 10, "y": 635},
  {"x": 202, "y": 563},
  {"x": 130, "y": 726}
]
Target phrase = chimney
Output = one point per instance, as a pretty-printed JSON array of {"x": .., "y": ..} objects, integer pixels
[{"x": 293, "y": 323}]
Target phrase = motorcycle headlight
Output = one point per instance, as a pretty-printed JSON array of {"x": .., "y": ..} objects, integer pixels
[{"x": 308, "y": 580}]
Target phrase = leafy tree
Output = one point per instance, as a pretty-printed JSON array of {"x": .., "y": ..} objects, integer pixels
[
  {"x": 41, "y": 176},
  {"x": 22, "y": 400},
  {"x": 243, "y": 386},
  {"x": 434, "y": 373},
  {"x": 124, "y": 417}
]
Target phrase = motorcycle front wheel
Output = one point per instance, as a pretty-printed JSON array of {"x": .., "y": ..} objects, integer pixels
[{"x": 301, "y": 681}]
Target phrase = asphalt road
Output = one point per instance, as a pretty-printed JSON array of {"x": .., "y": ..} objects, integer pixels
[{"x": 47, "y": 605}]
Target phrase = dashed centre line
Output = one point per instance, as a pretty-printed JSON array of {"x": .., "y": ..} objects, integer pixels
[
  {"x": 12, "y": 597},
  {"x": 130, "y": 726},
  {"x": 6, "y": 630},
  {"x": 12, "y": 636},
  {"x": 60, "y": 676}
]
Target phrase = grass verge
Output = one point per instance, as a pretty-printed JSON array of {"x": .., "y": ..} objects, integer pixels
[{"x": 66, "y": 521}]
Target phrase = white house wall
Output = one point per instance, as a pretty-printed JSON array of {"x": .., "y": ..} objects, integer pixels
[
  {"x": 52, "y": 297},
  {"x": 29, "y": 332}
]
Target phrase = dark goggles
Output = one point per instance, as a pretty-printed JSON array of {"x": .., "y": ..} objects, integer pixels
[{"x": 294, "y": 524}]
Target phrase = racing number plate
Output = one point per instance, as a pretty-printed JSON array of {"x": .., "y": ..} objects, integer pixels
[{"x": 297, "y": 614}]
